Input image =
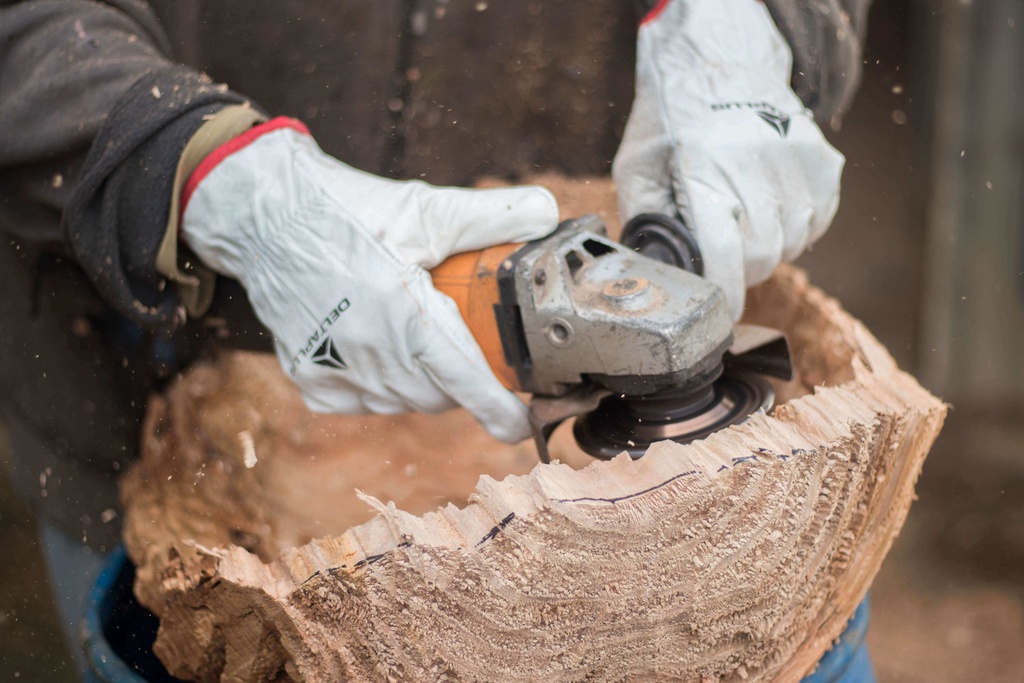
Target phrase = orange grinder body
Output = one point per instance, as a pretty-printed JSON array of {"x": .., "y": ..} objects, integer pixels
[{"x": 471, "y": 279}]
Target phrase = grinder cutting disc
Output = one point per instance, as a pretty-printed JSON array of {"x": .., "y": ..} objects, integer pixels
[{"x": 633, "y": 423}]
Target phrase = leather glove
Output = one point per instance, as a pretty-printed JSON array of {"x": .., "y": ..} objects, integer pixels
[
  {"x": 335, "y": 262},
  {"x": 717, "y": 135}
]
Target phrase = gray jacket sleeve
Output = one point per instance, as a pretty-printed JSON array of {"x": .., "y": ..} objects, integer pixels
[
  {"x": 827, "y": 40},
  {"x": 95, "y": 116},
  {"x": 63, "y": 66}
]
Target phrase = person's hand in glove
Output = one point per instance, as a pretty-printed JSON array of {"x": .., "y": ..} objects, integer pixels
[
  {"x": 717, "y": 135},
  {"x": 335, "y": 262}
]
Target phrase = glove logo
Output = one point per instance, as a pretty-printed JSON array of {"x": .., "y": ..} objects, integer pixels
[
  {"x": 327, "y": 355},
  {"x": 780, "y": 122},
  {"x": 765, "y": 111},
  {"x": 324, "y": 354}
]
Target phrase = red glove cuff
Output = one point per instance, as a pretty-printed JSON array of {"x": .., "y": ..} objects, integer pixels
[
  {"x": 654, "y": 12},
  {"x": 230, "y": 147}
]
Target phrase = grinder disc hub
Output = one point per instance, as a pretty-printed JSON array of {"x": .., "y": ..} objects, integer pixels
[{"x": 632, "y": 424}]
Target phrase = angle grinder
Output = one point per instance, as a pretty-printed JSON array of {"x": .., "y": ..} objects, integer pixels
[{"x": 627, "y": 338}]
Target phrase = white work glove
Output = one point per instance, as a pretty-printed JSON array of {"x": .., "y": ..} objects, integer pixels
[
  {"x": 335, "y": 262},
  {"x": 717, "y": 134}
]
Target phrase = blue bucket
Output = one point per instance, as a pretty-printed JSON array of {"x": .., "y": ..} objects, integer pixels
[
  {"x": 848, "y": 661},
  {"x": 119, "y": 635}
]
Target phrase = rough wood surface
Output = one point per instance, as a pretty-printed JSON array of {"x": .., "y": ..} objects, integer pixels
[{"x": 737, "y": 558}]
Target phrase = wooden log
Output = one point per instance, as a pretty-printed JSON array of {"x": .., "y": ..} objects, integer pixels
[{"x": 736, "y": 558}]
